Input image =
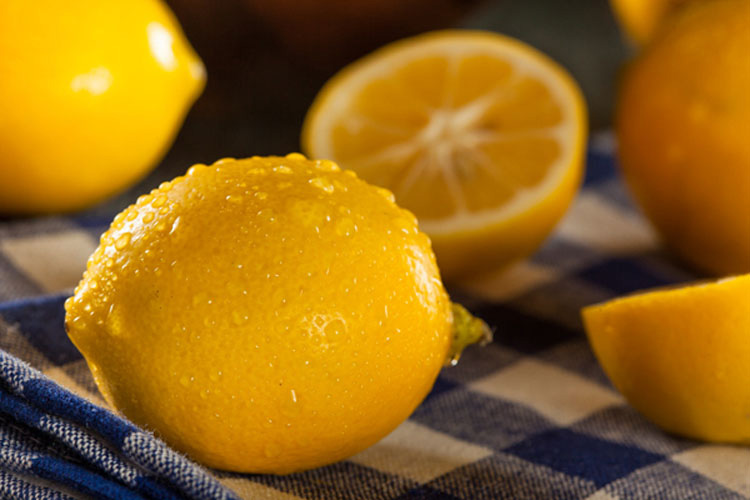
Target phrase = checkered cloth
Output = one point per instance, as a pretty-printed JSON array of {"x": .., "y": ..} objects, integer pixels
[{"x": 529, "y": 416}]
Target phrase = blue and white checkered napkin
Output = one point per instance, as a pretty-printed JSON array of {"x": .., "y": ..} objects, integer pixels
[{"x": 529, "y": 416}]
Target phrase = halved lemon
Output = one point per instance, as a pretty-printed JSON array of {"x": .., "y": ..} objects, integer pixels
[
  {"x": 478, "y": 134},
  {"x": 681, "y": 356}
]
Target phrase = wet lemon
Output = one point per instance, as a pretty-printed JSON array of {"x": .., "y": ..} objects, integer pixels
[
  {"x": 681, "y": 356},
  {"x": 91, "y": 96},
  {"x": 265, "y": 315}
]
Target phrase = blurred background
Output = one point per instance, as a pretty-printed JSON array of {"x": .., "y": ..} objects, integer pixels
[{"x": 266, "y": 60}]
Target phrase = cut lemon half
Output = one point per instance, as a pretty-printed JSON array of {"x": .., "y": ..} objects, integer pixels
[
  {"x": 681, "y": 356},
  {"x": 478, "y": 134}
]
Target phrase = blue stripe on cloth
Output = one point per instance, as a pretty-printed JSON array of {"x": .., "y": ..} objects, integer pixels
[
  {"x": 84, "y": 445},
  {"x": 521, "y": 331},
  {"x": 340, "y": 481},
  {"x": 626, "y": 275},
  {"x": 503, "y": 476},
  {"x": 136, "y": 446},
  {"x": 21, "y": 457},
  {"x": 600, "y": 167},
  {"x": 480, "y": 419},
  {"x": 41, "y": 319},
  {"x": 597, "y": 460},
  {"x": 13, "y": 487}
]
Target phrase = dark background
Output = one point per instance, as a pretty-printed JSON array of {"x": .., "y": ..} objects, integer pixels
[{"x": 266, "y": 60}]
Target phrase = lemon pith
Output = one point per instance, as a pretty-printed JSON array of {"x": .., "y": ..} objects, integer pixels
[
  {"x": 478, "y": 134},
  {"x": 681, "y": 356},
  {"x": 264, "y": 315},
  {"x": 92, "y": 94}
]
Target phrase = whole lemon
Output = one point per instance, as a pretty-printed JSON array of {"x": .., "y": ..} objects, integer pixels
[
  {"x": 265, "y": 315},
  {"x": 92, "y": 94},
  {"x": 683, "y": 124}
]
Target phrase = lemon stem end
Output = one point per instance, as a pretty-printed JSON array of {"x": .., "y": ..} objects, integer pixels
[{"x": 467, "y": 330}]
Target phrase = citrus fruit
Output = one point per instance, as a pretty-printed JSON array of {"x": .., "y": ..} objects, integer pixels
[
  {"x": 479, "y": 135},
  {"x": 265, "y": 315},
  {"x": 681, "y": 356},
  {"x": 92, "y": 94},
  {"x": 641, "y": 19},
  {"x": 683, "y": 122}
]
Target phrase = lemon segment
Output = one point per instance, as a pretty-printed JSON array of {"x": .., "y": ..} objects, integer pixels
[
  {"x": 476, "y": 133},
  {"x": 681, "y": 356}
]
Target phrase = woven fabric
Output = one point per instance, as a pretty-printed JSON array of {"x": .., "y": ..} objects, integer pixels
[{"x": 530, "y": 415}]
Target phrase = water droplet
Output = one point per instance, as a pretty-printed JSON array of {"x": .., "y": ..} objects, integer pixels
[
  {"x": 272, "y": 450},
  {"x": 175, "y": 225},
  {"x": 233, "y": 198},
  {"x": 222, "y": 161},
  {"x": 122, "y": 241},
  {"x": 267, "y": 214},
  {"x": 385, "y": 194},
  {"x": 322, "y": 183},
  {"x": 296, "y": 157},
  {"x": 159, "y": 201},
  {"x": 200, "y": 298},
  {"x": 327, "y": 166},
  {"x": 148, "y": 217},
  {"x": 260, "y": 195},
  {"x": 145, "y": 199},
  {"x": 164, "y": 210},
  {"x": 195, "y": 169},
  {"x": 345, "y": 227},
  {"x": 239, "y": 318},
  {"x": 162, "y": 226},
  {"x": 185, "y": 380},
  {"x": 215, "y": 376},
  {"x": 165, "y": 186},
  {"x": 282, "y": 169},
  {"x": 132, "y": 214}
]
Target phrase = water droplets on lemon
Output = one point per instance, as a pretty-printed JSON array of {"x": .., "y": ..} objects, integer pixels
[{"x": 281, "y": 334}]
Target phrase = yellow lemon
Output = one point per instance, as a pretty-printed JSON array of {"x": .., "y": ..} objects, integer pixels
[
  {"x": 266, "y": 315},
  {"x": 681, "y": 356},
  {"x": 480, "y": 135},
  {"x": 683, "y": 122},
  {"x": 641, "y": 19},
  {"x": 92, "y": 94}
]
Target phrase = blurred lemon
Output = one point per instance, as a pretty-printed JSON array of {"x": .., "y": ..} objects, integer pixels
[
  {"x": 480, "y": 135},
  {"x": 642, "y": 18},
  {"x": 681, "y": 356},
  {"x": 92, "y": 94},
  {"x": 266, "y": 315},
  {"x": 683, "y": 123}
]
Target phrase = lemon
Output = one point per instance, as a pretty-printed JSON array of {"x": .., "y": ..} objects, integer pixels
[
  {"x": 641, "y": 19},
  {"x": 681, "y": 356},
  {"x": 92, "y": 94},
  {"x": 266, "y": 315},
  {"x": 683, "y": 122},
  {"x": 478, "y": 134}
]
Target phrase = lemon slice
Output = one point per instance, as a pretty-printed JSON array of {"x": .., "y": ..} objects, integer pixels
[
  {"x": 478, "y": 134},
  {"x": 681, "y": 356}
]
